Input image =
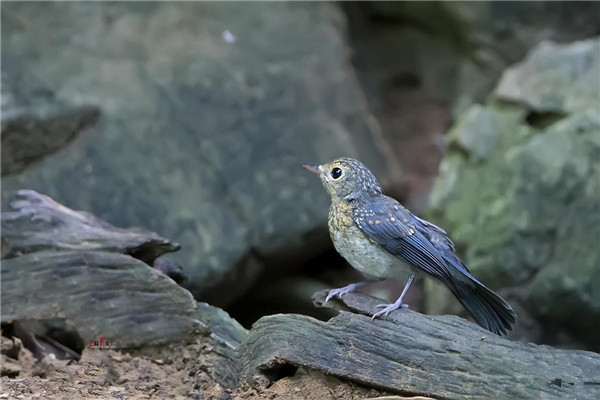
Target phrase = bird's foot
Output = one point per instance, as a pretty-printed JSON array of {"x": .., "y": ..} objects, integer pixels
[
  {"x": 388, "y": 308},
  {"x": 339, "y": 292}
]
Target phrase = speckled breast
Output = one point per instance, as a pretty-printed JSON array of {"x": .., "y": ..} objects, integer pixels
[{"x": 361, "y": 252}]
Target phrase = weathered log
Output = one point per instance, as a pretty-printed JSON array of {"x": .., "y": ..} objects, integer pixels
[
  {"x": 444, "y": 357},
  {"x": 34, "y": 222},
  {"x": 64, "y": 264},
  {"x": 227, "y": 334},
  {"x": 102, "y": 294}
]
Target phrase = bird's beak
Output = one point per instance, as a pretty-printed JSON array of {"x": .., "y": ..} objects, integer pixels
[{"x": 313, "y": 168}]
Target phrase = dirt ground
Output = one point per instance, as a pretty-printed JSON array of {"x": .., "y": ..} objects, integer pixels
[{"x": 178, "y": 374}]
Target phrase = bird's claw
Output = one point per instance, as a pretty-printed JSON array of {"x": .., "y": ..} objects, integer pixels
[
  {"x": 392, "y": 306},
  {"x": 387, "y": 308},
  {"x": 336, "y": 292},
  {"x": 339, "y": 292},
  {"x": 332, "y": 293}
]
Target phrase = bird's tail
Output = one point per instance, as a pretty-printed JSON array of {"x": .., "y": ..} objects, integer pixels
[{"x": 489, "y": 310}]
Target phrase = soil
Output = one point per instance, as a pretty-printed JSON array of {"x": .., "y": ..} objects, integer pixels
[{"x": 177, "y": 374}]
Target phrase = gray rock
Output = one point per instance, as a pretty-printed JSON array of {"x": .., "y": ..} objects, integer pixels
[
  {"x": 454, "y": 51},
  {"x": 413, "y": 354},
  {"x": 10, "y": 347},
  {"x": 10, "y": 367},
  {"x": 518, "y": 193},
  {"x": 554, "y": 78},
  {"x": 203, "y": 132},
  {"x": 34, "y": 122}
]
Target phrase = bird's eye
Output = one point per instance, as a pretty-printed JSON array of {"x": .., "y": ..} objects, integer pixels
[{"x": 336, "y": 173}]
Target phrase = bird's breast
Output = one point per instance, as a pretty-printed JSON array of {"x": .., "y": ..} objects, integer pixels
[
  {"x": 361, "y": 252},
  {"x": 340, "y": 217}
]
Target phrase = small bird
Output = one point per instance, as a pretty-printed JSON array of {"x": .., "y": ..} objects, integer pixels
[{"x": 382, "y": 239}]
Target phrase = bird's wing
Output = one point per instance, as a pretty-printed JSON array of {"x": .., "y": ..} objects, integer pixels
[
  {"x": 395, "y": 229},
  {"x": 437, "y": 237},
  {"x": 435, "y": 234}
]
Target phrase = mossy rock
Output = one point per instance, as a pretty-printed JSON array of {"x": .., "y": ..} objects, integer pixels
[{"x": 520, "y": 199}]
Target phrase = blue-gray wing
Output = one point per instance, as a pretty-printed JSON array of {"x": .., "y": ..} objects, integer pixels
[
  {"x": 395, "y": 229},
  {"x": 426, "y": 246}
]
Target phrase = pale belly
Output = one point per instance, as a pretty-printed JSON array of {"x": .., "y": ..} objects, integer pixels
[{"x": 368, "y": 258}]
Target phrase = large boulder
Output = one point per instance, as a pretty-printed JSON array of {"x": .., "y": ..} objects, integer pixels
[
  {"x": 423, "y": 63},
  {"x": 207, "y": 114},
  {"x": 518, "y": 190},
  {"x": 34, "y": 122}
]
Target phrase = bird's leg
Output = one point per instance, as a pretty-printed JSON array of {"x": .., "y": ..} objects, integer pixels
[
  {"x": 346, "y": 289},
  {"x": 388, "y": 308}
]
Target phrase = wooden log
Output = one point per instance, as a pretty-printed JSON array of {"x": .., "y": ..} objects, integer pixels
[
  {"x": 63, "y": 264},
  {"x": 33, "y": 222},
  {"x": 102, "y": 294},
  {"x": 69, "y": 265},
  {"x": 443, "y": 357}
]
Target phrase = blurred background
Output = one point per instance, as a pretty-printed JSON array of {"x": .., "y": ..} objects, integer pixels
[{"x": 193, "y": 119}]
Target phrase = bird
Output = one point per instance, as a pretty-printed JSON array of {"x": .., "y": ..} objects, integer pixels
[{"x": 383, "y": 240}]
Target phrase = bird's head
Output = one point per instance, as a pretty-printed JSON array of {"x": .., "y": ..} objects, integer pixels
[{"x": 346, "y": 179}]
